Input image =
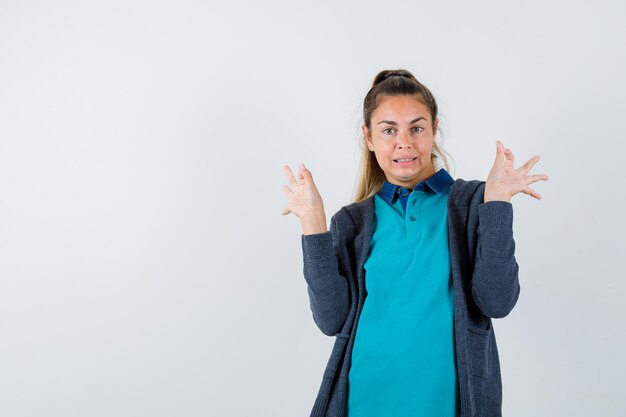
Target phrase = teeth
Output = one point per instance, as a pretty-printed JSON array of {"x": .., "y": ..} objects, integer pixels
[{"x": 404, "y": 160}]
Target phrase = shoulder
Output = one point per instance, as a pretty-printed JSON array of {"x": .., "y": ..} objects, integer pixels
[
  {"x": 467, "y": 192},
  {"x": 352, "y": 217}
]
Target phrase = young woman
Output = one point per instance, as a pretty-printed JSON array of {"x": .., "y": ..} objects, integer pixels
[{"x": 409, "y": 276}]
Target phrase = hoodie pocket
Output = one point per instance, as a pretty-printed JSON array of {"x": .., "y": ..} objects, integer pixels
[{"x": 479, "y": 342}]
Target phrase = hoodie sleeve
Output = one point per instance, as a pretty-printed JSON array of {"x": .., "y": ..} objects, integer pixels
[
  {"x": 326, "y": 283},
  {"x": 495, "y": 281}
]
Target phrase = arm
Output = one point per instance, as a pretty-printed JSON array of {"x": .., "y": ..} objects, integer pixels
[
  {"x": 495, "y": 281},
  {"x": 327, "y": 286}
]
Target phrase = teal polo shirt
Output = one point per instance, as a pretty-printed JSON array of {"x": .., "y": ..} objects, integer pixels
[{"x": 403, "y": 361}]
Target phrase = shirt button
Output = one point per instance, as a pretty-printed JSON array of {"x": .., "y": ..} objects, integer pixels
[{"x": 412, "y": 218}]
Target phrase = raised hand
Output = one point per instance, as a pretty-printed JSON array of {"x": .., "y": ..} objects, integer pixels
[
  {"x": 504, "y": 181},
  {"x": 304, "y": 200}
]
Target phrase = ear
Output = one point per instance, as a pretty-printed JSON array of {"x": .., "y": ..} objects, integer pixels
[
  {"x": 368, "y": 140},
  {"x": 436, "y": 124}
]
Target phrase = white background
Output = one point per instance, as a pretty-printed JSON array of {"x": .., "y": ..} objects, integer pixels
[{"x": 145, "y": 269}]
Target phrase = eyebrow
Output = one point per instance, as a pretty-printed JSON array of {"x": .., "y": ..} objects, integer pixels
[{"x": 391, "y": 122}]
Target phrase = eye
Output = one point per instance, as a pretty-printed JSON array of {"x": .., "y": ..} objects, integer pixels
[
  {"x": 389, "y": 128},
  {"x": 418, "y": 127}
]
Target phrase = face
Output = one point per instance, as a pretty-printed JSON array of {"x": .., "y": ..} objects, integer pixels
[{"x": 402, "y": 129}]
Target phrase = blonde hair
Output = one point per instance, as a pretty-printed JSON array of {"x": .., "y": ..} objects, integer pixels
[{"x": 392, "y": 83}]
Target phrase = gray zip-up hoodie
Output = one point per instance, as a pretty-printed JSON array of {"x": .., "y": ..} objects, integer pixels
[{"x": 486, "y": 286}]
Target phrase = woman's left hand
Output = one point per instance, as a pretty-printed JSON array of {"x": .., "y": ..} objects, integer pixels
[{"x": 504, "y": 181}]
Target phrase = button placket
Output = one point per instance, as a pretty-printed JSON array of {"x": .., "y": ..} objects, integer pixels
[{"x": 413, "y": 213}]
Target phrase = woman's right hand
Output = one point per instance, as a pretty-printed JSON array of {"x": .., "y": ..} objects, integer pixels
[{"x": 304, "y": 200}]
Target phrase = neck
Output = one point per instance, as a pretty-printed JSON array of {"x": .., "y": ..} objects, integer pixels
[{"x": 427, "y": 173}]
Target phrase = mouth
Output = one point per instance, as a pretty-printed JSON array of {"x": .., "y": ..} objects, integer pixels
[{"x": 404, "y": 162}]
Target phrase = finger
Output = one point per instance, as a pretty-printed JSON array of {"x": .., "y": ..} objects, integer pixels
[
  {"x": 285, "y": 211},
  {"x": 528, "y": 165},
  {"x": 288, "y": 191},
  {"x": 510, "y": 159},
  {"x": 288, "y": 173},
  {"x": 499, "y": 154},
  {"x": 532, "y": 193},
  {"x": 537, "y": 177},
  {"x": 307, "y": 175},
  {"x": 292, "y": 180},
  {"x": 301, "y": 172}
]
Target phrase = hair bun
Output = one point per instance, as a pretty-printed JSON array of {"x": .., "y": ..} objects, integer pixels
[{"x": 386, "y": 74}]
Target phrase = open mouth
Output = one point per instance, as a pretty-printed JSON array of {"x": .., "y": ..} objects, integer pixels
[{"x": 403, "y": 162}]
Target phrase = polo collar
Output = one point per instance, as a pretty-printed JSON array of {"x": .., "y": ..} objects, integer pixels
[{"x": 438, "y": 183}]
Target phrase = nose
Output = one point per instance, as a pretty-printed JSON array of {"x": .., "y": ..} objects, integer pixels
[{"x": 404, "y": 140}]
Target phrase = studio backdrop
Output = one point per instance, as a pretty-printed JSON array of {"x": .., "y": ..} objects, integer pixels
[{"x": 145, "y": 268}]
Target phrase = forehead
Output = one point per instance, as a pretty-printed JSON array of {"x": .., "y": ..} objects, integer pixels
[{"x": 400, "y": 108}]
